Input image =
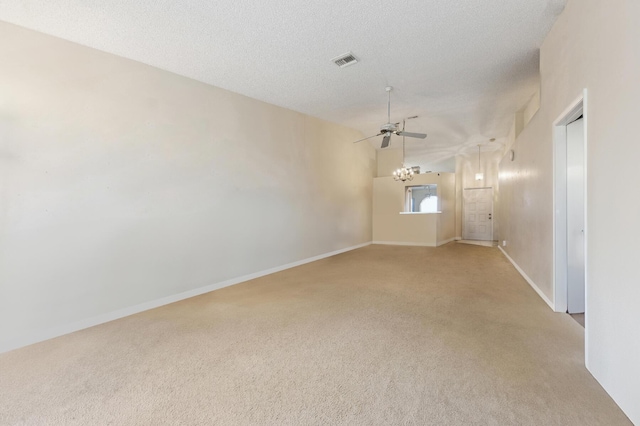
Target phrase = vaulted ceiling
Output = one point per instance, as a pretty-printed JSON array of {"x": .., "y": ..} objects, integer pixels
[{"x": 464, "y": 67}]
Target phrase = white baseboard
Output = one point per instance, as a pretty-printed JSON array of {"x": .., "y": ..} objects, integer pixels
[
  {"x": 529, "y": 280},
  {"x": 403, "y": 243},
  {"x": 457, "y": 238},
  {"x": 441, "y": 243},
  {"x": 50, "y": 333}
]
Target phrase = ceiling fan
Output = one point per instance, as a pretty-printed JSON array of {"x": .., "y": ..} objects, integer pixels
[{"x": 392, "y": 128}]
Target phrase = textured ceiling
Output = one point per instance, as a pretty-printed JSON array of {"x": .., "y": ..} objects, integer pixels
[{"x": 463, "y": 66}]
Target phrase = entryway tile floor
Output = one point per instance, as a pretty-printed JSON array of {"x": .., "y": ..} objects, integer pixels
[{"x": 479, "y": 243}]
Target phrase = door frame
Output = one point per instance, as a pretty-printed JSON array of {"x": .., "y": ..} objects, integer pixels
[
  {"x": 560, "y": 287},
  {"x": 463, "y": 211}
]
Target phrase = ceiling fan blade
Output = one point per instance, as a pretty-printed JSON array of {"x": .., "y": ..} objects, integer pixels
[
  {"x": 412, "y": 135},
  {"x": 364, "y": 139},
  {"x": 385, "y": 141}
]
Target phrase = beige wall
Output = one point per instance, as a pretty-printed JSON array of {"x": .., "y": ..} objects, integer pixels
[
  {"x": 421, "y": 229},
  {"x": 593, "y": 45},
  {"x": 389, "y": 160},
  {"x": 447, "y": 187},
  {"x": 121, "y": 183},
  {"x": 531, "y": 108}
]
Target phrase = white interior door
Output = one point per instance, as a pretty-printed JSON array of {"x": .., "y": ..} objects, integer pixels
[
  {"x": 575, "y": 217},
  {"x": 477, "y": 205}
]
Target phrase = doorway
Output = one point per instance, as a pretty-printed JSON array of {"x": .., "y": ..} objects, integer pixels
[
  {"x": 575, "y": 216},
  {"x": 570, "y": 225},
  {"x": 477, "y": 208}
]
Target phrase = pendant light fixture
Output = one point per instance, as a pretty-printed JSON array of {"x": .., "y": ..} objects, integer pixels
[
  {"x": 479, "y": 174},
  {"x": 403, "y": 174}
]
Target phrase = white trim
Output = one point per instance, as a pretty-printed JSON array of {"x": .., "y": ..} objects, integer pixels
[
  {"x": 403, "y": 243},
  {"x": 585, "y": 117},
  {"x": 441, "y": 243},
  {"x": 438, "y": 212},
  {"x": 527, "y": 279},
  {"x": 571, "y": 113},
  {"x": 50, "y": 333},
  {"x": 559, "y": 266}
]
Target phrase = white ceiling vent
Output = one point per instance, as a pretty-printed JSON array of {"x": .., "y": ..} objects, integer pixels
[{"x": 345, "y": 60}]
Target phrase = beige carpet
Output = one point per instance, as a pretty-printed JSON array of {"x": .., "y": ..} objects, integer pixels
[
  {"x": 579, "y": 318},
  {"x": 383, "y": 335}
]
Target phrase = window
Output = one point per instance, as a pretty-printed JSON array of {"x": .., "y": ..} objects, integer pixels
[{"x": 421, "y": 199}]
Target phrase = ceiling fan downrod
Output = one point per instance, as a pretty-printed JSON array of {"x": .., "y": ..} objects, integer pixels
[{"x": 389, "y": 89}]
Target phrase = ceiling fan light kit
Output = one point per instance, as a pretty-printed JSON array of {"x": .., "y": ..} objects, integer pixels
[{"x": 403, "y": 174}]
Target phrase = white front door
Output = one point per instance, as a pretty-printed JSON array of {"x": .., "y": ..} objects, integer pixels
[
  {"x": 575, "y": 217},
  {"x": 477, "y": 208}
]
